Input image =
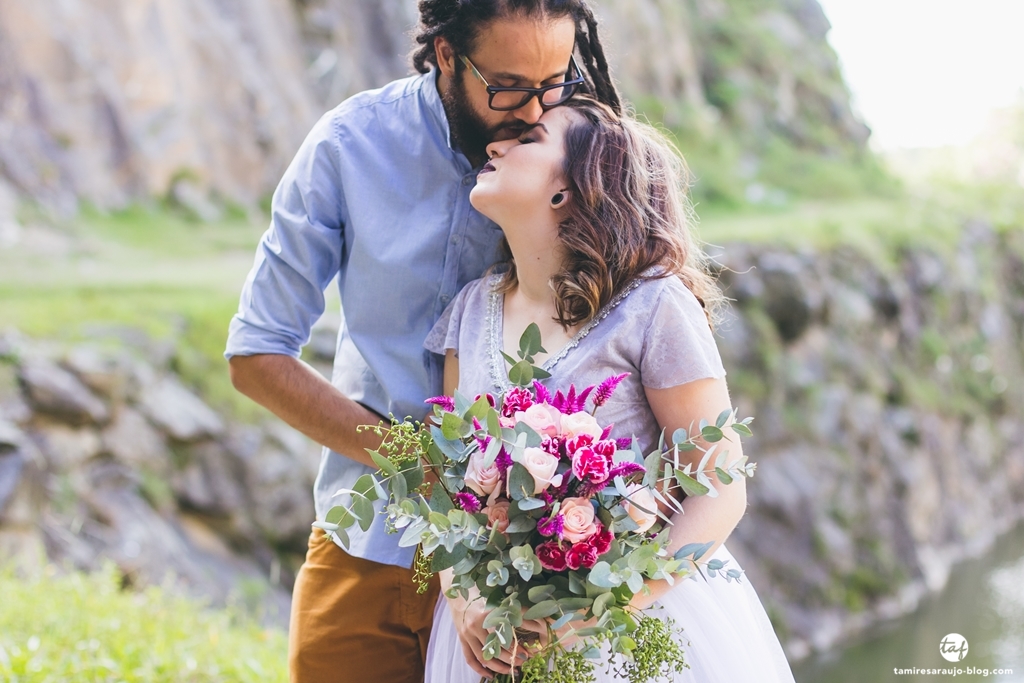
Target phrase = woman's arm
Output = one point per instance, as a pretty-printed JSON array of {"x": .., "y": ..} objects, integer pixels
[{"x": 705, "y": 519}]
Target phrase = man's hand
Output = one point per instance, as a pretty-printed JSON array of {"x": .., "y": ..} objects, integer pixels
[{"x": 300, "y": 396}]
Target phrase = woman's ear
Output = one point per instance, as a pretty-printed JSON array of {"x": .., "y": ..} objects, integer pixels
[
  {"x": 445, "y": 57},
  {"x": 560, "y": 198}
]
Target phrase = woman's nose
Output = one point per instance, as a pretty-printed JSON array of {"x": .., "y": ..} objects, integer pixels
[{"x": 498, "y": 149}]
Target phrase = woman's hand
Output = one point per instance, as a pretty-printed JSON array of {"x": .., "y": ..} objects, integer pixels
[{"x": 468, "y": 616}]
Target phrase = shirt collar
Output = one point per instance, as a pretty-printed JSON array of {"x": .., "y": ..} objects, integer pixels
[{"x": 432, "y": 98}]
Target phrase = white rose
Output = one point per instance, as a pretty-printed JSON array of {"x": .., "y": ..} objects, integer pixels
[
  {"x": 580, "y": 423},
  {"x": 541, "y": 465}
]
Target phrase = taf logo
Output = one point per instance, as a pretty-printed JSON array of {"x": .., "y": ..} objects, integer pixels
[{"x": 953, "y": 647}]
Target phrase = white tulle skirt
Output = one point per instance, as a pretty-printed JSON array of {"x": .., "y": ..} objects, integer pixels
[{"x": 726, "y": 636}]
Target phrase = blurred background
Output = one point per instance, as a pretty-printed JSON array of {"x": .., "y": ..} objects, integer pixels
[{"x": 859, "y": 177}]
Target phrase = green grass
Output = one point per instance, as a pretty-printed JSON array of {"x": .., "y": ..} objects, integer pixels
[
  {"x": 82, "y": 628},
  {"x": 146, "y": 268}
]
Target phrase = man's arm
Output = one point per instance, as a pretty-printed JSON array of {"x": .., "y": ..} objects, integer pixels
[{"x": 300, "y": 396}]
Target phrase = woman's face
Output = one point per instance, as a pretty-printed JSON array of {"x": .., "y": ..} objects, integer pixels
[{"x": 524, "y": 174}]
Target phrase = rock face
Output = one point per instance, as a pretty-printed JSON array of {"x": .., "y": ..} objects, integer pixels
[
  {"x": 889, "y": 405},
  {"x": 106, "y": 457},
  {"x": 122, "y": 100},
  {"x": 889, "y": 422}
]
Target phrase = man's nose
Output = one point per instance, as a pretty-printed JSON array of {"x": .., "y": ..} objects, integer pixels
[{"x": 530, "y": 112}]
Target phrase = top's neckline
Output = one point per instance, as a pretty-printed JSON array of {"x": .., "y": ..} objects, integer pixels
[{"x": 496, "y": 326}]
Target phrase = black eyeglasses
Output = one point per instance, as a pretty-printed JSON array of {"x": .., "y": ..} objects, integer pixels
[{"x": 508, "y": 99}]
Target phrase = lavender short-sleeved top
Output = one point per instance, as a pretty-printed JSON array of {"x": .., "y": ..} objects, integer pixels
[{"x": 655, "y": 329}]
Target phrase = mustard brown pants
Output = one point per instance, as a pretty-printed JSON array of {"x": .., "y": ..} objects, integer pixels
[{"x": 356, "y": 620}]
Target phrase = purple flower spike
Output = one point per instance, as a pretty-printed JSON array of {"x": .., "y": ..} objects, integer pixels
[
  {"x": 543, "y": 395},
  {"x": 503, "y": 462},
  {"x": 607, "y": 388},
  {"x": 624, "y": 444},
  {"x": 551, "y": 526},
  {"x": 607, "y": 432},
  {"x": 467, "y": 501},
  {"x": 589, "y": 488},
  {"x": 625, "y": 469},
  {"x": 447, "y": 403}
]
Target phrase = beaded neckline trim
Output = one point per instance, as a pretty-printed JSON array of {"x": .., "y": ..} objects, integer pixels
[{"x": 495, "y": 312}]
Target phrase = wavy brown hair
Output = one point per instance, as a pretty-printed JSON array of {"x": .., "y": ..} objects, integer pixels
[{"x": 628, "y": 212}]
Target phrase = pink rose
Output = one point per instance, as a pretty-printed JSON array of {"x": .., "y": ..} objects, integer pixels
[
  {"x": 580, "y": 423},
  {"x": 542, "y": 418},
  {"x": 578, "y": 522},
  {"x": 551, "y": 555},
  {"x": 588, "y": 465},
  {"x": 482, "y": 480},
  {"x": 581, "y": 555},
  {"x": 642, "y": 496},
  {"x": 497, "y": 515},
  {"x": 541, "y": 465}
]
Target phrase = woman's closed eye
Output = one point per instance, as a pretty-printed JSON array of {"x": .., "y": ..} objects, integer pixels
[{"x": 526, "y": 139}]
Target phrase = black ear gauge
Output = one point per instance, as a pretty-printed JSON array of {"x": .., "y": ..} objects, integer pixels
[{"x": 557, "y": 199}]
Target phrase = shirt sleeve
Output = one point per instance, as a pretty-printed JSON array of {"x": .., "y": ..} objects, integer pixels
[
  {"x": 444, "y": 334},
  {"x": 678, "y": 345},
  {"x": 299, "y": 254}
]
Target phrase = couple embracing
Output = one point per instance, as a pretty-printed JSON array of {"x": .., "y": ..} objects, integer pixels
[{"x": 502, "y": 186}]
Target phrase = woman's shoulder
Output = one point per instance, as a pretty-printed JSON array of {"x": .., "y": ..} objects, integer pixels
[{"x": 656, "y": 290}]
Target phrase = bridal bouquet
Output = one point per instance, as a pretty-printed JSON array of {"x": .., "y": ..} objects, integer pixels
[{"x": 538, "y": 509}]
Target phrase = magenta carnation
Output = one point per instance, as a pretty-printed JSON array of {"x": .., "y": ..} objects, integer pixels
[
  {"x": 555, "y": 445},
  {"x": 601, "y": 541},
  {"x": 605, "y": 447},
  {"x": 577, "y": 442},
  {"x": 551, "y": 555},
  {"x": 516, "y": 400},
  {"x": 468, "y": 502},
  {"x": 581, "y": 554},
  {"x": 446, "y": 402},
  {"x": 590, "y": 466}
]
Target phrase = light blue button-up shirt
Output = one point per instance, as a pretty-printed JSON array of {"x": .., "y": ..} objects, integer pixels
[{"x": 377, "y": 196}]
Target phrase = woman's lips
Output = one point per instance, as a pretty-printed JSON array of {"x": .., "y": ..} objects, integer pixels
[{"x": 487, "y": 168}]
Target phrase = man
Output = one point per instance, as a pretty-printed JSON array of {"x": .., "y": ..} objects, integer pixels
[{"x": 378, "y": 195}]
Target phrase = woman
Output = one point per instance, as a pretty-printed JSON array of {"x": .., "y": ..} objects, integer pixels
[{"x": 594, "y": 213}]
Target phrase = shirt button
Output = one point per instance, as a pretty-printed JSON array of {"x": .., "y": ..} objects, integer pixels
[
  {"x": 468, "y": 180},
  {"x": 445, "y": 298},
  {"x": 455, "y": 239}
]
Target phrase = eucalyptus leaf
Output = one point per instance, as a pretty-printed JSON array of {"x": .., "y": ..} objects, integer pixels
[
  {"x": 723, "y": 476},
  {"x": 451, "y": 426},
  {"x": 711, "y": 434},
  {"x": 521, "y": 374},
  {"x": 531, "y": 503},
  {"x": 741, "y": 429},
  {"x": 521, "y": 524},
  {"x": 520, "y": 482},
  {"x": 542, "y": 609},
  {"x": 690, "y": 486},
  {"x": 385, "y": 465},
  {"x": 723, "y": 417},
  {"x": 539, "y": 593},
  {"x": 442, "y": 559}
]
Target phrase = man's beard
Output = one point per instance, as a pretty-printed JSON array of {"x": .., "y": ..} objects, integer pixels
[{"x": 470, "y": 133}]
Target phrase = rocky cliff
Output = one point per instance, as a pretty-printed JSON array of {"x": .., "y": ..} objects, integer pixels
[
  {"x": 115, "y": 101},
  {"x": 889, "y": 436}
]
